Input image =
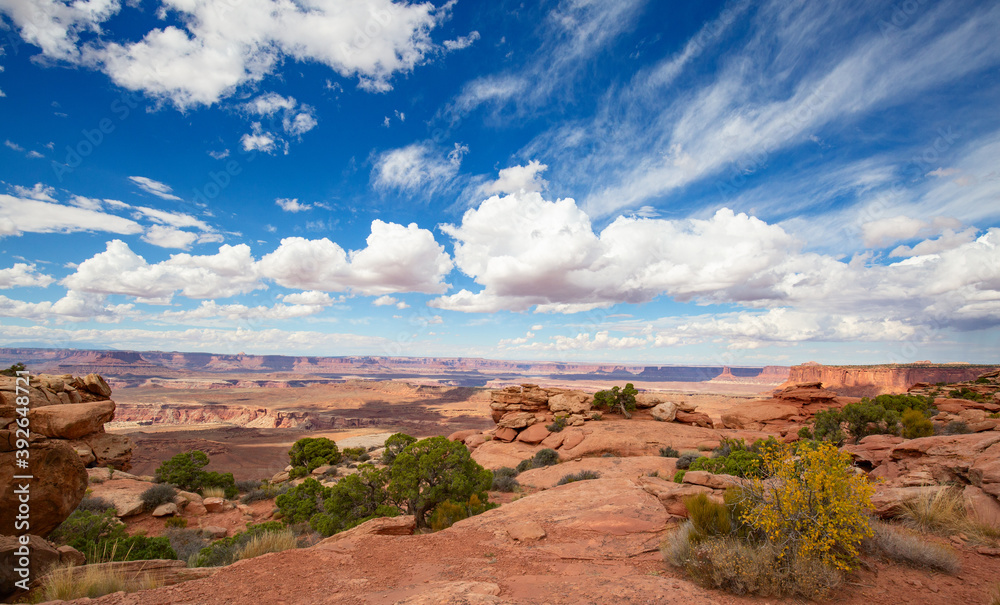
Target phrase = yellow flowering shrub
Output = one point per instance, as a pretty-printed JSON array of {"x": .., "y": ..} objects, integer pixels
[{"x": 812, "y": 506}]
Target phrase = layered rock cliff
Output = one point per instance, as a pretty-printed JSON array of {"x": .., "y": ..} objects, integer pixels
[{"x": 868, "y": 381}]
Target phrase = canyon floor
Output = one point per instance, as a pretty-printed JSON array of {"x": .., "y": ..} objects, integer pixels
[{"x": 166, "y": 420}]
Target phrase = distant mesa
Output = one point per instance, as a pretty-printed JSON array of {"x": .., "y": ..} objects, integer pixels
[
  {"x": 870, "y": 381},
  {"x": 136, "y": 366}
]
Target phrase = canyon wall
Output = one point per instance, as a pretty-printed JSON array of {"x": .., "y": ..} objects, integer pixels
[
  {"x": 868, "y": 381},
  {"x": 158, "y": 414}
]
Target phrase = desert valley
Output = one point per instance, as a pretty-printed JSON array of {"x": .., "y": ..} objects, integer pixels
[{"x": 594, "y": 540}]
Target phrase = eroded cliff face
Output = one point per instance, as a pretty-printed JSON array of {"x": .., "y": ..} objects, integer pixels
[
  {"x": 868, "y": 381},
  {"x": 157, "y": 414}
]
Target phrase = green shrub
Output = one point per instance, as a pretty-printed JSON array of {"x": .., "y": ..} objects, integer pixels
[
  {"x": 355, "y": 499},
  {"x": 679, "y": 476},
  {"x": 708, "y": 518},
  {"x": 617, "y": 400},
  {"x": 805, "y": 433},
  {"x": 504, "y": 480},
  {"x": 156, "y": 495},
  {"x": 685, "y": 459},
  {"x": 869, "y": 418},
  {"x": 669, "y": 452},
  {"x": 448, "y": 513},
  {"x": 357, "y": 454},
  {"x": 185, "y": 471},
  {"x": 227, "y": 550},
  {"x": 557, "y": 425},
  {"x": 901, "y": 403},
  {"x": 596, "y": 416},
  {"x": 581, "y": 476},
  {"x": 525, "y": 465},
  {"x": 394, "y": 445},
  {"x": 300, "y": 503},
  {"x": 826, "y": 427},
  {"x": 967, "y": 393},
  {"x": 740, "y": 463},
  {"x": 915, "y": 425},
  {"x": 955, "y": 427},
  {"x": 545, "y": 457},
  {"x": 187, "y": 543},
  {"x": 433, "y": 470},
  {"x": 176, "y": 522},
  {"x": 265, "y": 492},
  {"x": 310, "y": 453},
  {"x": 245, "y": 486},
  {"x": 102, "y": 537}
]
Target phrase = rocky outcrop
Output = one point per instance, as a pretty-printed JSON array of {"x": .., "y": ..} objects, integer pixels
[
  {"x": 868, "y": 381},
  {"x": 789, "y": 408},
  {"x": 58, "y": 484},
  {"x": 517, "y": 409},
  {"x": 69, "y": 409},
  {"x": 65, "y": 421}
]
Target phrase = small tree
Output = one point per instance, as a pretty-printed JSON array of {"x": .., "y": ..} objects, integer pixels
[
  {"x": 310, "y": 453},
  {"x": 185, "y": 470},
  {"x": 355, "y": 499},
  {"x": 13, "y": 370},
  {"x": 433, "y": 470},
  {"x": 395, "y": 444},
  {"x": 617, "y": 399}
]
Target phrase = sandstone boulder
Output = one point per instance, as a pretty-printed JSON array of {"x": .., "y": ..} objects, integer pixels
[
  {"x": 505, "y": 434},
  {"x": 214, "y": 505},
  {"x": 981, "y": 506},
  {"x": 888, "y": 501},
  {"x": 608, "y": 468},
  {"x": 534, "y": 434},
  {"x": 693, "y": 418},
  {"x": 167, "y": 509},
  {"x": 664, "y": 412},
  {"x": 671, "y": 495},
  {"x": 516, "y": 420},
  {"x": 124, "y": 494},
  {"x": 462, "y": 435},
  {"x": 714, "y": 481},
  {"x": 70, "y": 556},
  {"x": 474, "y": 441},
  {"x": 43, "y": 555},
  {"x": 573, "y": 402},
  {"x": 949, "y": 458},
  {"x": 71, "y": 421},
  {"x": 96, "y": 384},
  {"x": 58, "y": 486},
  {"x": 86, "y": 454},
  {"x": 111, "y": 450},
  {"x": 523, "y": 531}
]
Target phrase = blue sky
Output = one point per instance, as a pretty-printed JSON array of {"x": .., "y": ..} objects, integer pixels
[{"x": 659, "y": 182}]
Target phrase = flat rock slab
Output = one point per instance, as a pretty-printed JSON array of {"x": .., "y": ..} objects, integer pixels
[{"x": 608, "y": 468}]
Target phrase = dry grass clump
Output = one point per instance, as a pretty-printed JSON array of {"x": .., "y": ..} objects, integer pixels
[
  {"x": 213, "y": 492},
  {"x": 267, "y": 542},
  {"x": 67, "y": 583},
  {"x": 743, "y": 567},
  {"x": 943, "y": 512},
  {"x": 909, "y": 549}
]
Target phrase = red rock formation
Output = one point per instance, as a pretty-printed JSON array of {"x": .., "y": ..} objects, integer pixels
[
  {"x": 868, "y": 381},
  {"x": 789, "y": 408}
]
